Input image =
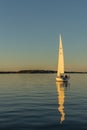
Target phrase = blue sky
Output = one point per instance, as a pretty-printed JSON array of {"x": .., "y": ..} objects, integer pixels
[{"x": 29, "y": 34}]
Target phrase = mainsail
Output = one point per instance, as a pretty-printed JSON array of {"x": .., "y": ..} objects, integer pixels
[{"x": 60, "y": 59}]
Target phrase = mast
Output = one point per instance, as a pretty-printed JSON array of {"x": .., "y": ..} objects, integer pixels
[{"x": 60, "y": 69}]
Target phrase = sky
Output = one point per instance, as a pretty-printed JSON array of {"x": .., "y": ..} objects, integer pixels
[{"x": 30, "y": 29}]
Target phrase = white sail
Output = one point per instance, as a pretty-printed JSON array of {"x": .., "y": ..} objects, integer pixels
[{"x": 60, "y": 69}]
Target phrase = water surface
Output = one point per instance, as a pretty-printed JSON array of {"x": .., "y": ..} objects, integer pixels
[{"x": 37, "y": 102}]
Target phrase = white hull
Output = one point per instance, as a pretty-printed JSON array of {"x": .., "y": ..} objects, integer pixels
[{"x": 62, "y": 80}]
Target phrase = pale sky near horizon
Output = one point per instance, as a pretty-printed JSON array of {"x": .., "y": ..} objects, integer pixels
[{"x": 29, "y": 34}]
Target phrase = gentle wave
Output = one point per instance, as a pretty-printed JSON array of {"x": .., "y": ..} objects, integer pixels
[{"x": 28, "y": 103}]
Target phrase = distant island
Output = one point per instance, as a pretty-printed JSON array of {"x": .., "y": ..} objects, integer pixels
[
  {"x": 28, "y": 72},
  {"x": 39, "y": 72}
]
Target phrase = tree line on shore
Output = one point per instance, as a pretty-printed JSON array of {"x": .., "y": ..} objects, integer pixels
[{"x": 38, "y": 72}]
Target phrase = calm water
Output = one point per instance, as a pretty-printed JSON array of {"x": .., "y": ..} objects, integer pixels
[{"x": 36, "y": 102}]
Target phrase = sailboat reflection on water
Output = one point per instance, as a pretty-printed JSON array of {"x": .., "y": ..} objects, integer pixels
[{"x": 61, "y": 99}]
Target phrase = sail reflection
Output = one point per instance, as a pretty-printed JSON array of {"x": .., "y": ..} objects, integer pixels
[{"x": 61, "y": 97}]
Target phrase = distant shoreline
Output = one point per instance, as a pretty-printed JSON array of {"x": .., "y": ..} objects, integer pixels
[{"x": 38, "y": 72}]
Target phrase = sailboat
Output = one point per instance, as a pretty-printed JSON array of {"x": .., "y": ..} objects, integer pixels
[{"x": 61, "y": 77}]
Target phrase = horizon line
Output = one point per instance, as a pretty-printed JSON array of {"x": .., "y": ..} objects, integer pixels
[{"x": 37, "y": 71}]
